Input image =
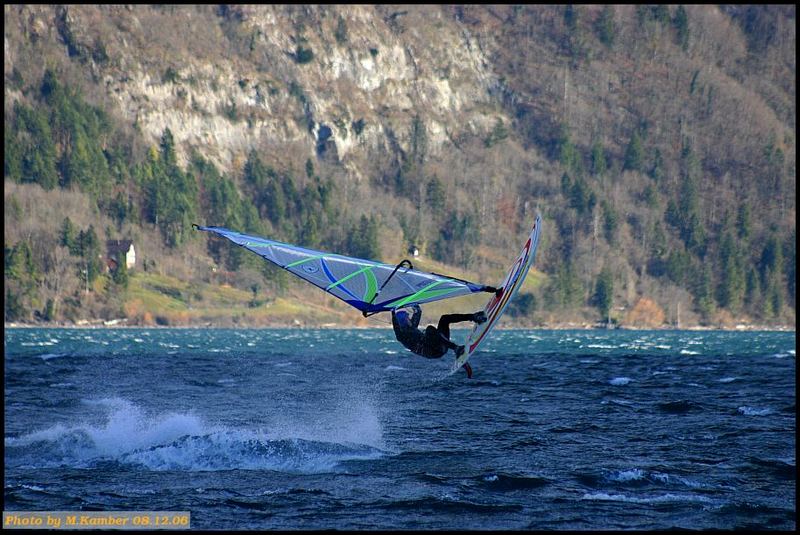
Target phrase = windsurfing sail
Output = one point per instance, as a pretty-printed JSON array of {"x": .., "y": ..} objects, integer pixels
[{"x": 366, "y": 285}]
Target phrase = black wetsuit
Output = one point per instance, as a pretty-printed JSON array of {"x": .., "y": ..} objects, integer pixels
[{"x": 431, "y": 343}]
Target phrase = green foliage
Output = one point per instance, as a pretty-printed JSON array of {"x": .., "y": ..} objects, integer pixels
[
  {"x": 634, "y": 153},
  {"x": 604, "y": 292},
  {"x": 681, "y": 24},
  {"x": 605, "y": 26},
  {"x": 498, "y": 134},
  {"x": 452, "y": 245},
  {"x": 703, "y": 290},
  {"x": 435, "y": 195},
  {"x": 568, "y": 154},
  {"x": 170, "y": 76},
  {"x": 523, "y": 305},
  {"x": 223, "y": 206},
  {"x": 771, "y": 262},
  {"x": 411, "y": 231},
  {"x": 564, "y": 289},
  {"x": 574, "y": 42},
  {"x": 650, "y": 197},
  {"x": 362, "y": 239},
  {"x": 32, "y": 148},
  {"x": 12, "y": 155},
  {"x": 49, "y": 311},
  {"x": 409, "y": 175},
  {"x": 685, "y": 213},
  {"x": 581, "y": 197},
  {"x": 341, "y": 31},
  {"x": 732, "y": 284},
  {"x": 13, "y": 309},
  {"x": 744, "y": 223},
  {"x": 599, "y": 165},
  {"x": 20, "y": 265},
  {"x": 790, "y": 265},
  {"x": 91, "y": 253},
  {"x": 657, "y": 170},
  {"x": 678, "y": 267},
  {"x": 610, "y": 222},
  {"x": 82, "y": 131},
  {"x": 170, "y": 198},
  {"x": 120, "y": 274},
  {"x": 68, "y": 238},
  {"x": 303, "y": 55}
]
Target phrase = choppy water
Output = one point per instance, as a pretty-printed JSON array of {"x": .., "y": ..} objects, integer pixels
[{"x": 315, "y": 429}]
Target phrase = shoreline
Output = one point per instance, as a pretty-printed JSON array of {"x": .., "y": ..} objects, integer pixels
[{"x": 115, "y": 324}]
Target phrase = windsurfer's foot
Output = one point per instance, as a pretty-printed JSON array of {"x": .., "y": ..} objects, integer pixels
[
  {"x": 460, "y": 351},
  {"x": 479, "y": 317}
]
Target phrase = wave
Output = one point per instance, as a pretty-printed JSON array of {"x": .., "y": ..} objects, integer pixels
[
  {"x": 50, "y": 356},
  {"x": 639, "y": 478},
  {"x": 661, "y": 498},
  {"x": 753, "y": 411},
  {"x": 179, "y": 441},
  {"x": 620, "y": 381},
  {"x": 511, "y": 482}
]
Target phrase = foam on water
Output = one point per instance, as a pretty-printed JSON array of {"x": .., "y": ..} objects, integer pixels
[
  {"x": 754, "y": 411},
  {"x": 662, "y": 498},
  {"x": 620, "y": 381},
  {"x": 183, "y": 441}
]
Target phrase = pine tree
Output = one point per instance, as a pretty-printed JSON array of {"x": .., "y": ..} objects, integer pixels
[
  {"x": 599, "y": 165},
  {"x": 606, "y": 27},
  {"x": 634, "y": 154},
  {"x": 120, "y": 275},
  {"x": 604, "y": 292},
  {"x": 681, "y": 24},
  {"x": 732, "y": 285},
  {"x": 68, "y": 236}
]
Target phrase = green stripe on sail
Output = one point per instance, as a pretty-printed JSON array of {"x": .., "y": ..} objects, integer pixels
[
  {"x": 419, "y": 295},
  {"x": 350, "y": 276},
  {"x": 372, "y": 286},
  {"x": 436, "y": 293}
]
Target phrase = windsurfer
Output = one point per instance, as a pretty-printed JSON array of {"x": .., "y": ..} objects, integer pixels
[{"x": 433, "y": 342}]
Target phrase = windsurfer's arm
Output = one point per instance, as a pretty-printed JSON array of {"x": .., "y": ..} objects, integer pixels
[
  {"x": 492, "y": 290},
  {"x": 416, "y": 316}
]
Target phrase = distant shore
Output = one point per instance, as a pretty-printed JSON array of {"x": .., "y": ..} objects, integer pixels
[{"x": 120, "y": 324}]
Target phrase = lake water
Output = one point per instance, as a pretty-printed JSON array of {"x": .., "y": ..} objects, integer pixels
[{"x": 344, "y": 429}]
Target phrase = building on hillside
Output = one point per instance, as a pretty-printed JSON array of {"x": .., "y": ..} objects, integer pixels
[{"x": 114, "y": 248}]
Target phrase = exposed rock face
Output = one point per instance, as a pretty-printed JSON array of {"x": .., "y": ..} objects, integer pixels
[{"x": 341, "y": 84}]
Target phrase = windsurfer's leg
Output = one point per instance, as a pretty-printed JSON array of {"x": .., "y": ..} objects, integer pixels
[
  {"x": 447, "y": 319},
  {"x": 436, "y": 345}
]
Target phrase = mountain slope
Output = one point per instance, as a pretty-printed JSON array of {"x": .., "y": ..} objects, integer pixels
[{"x": 658, "y": 143}]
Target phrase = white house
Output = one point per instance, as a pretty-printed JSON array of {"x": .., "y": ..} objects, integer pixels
[{"x": 116, "y": 247}]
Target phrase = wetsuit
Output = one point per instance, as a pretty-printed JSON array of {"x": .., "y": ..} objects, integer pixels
[{"x": 433, "y": 342}]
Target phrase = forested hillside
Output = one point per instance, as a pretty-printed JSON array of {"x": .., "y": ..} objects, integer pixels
[{"x": 657, "y": 142}]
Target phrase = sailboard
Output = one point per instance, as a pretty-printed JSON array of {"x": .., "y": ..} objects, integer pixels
[
  {"x": 509, "y": 288},
  {"x": 366, "y": 285}
]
